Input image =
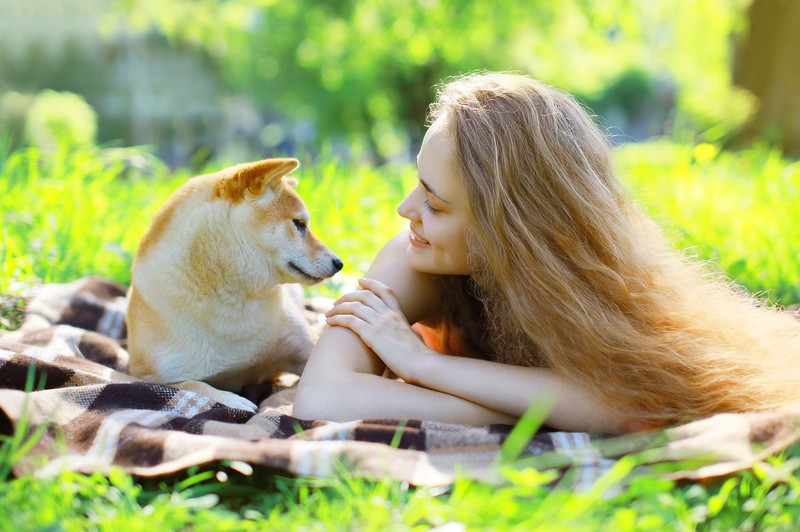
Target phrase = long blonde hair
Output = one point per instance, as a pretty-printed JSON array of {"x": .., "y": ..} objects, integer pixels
[{"x": 573, "y": 277}]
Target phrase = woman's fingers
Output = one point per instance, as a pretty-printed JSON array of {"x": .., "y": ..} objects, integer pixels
[
  {"x": 355, "y": 324},
  {"x": 365, "y": 297},
  {"x": 383, "y": 292},
  {"x": 352, "y": 308},
  {"x": 372, "y": 313},
  {"x": 375, "y": 294}
]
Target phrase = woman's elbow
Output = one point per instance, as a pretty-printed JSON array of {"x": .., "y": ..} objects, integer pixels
[
  {"x": 330, "y": 399},
  {"x": 311, "y": 401}
]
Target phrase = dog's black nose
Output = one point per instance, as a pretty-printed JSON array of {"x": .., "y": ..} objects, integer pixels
[{"x": 337, "y": 263}]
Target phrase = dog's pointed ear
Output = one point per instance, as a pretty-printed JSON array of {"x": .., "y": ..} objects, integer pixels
[{"x": 253, "y": 178}]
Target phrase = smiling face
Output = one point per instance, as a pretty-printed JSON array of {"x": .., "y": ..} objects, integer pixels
[{"x": 437, "y": 209}]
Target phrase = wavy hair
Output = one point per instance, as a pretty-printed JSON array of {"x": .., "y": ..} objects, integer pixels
[{"x": 573, "y": 277}]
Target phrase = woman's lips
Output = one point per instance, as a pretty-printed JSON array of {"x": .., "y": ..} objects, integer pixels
[{"x": 417, "y": 240}]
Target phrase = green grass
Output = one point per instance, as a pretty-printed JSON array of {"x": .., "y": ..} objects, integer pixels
[
  {"x": 79, "y": 213},
  {"x": 83, "y": 213},
  {"x": 220, "y": 498},
  {"x": 738, "y": 210}
]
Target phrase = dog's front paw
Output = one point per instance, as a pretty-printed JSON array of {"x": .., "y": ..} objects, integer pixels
[
  {"x": 232, "y": 400},
  {"x": 229, "y": 399}
]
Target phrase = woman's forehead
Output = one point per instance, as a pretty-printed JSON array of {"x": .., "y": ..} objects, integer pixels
[
  {"x": 436, "y": 165},
  {"x": 436, "y": 153}
]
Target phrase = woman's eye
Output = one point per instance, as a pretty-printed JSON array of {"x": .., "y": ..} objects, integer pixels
[
  {"x": 430, "y": 209},
  {"x": 300, "y": 225}
]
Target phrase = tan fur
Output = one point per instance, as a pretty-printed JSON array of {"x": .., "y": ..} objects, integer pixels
[
  {"x": 252, "y": 178},
  {"x": 208, "y": 300},
  {"x": 163, "y": 217}
]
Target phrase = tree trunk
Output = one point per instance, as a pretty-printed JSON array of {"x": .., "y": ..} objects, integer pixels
[{"x": 767, "y": 63}]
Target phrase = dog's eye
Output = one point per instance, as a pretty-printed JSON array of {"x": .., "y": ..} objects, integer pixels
[{"x": 300, "y": 225}]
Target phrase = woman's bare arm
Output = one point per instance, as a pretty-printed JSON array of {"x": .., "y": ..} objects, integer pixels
[
  {"x": 514, "y": 389},
  {"x": 341, "y": 380},
  {"x": 375, "y": 315}
]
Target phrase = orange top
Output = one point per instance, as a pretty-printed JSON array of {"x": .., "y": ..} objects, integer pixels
[{"x": 434, "y": 338}]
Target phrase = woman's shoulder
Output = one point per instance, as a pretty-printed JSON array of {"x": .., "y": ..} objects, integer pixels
[{"x": 418, "y": 293}]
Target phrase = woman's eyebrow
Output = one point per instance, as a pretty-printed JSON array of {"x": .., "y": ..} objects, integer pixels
[{"x": 427, "y": 187}]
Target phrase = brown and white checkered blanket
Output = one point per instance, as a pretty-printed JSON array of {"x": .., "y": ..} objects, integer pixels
[{"x": 97, "y": 416}]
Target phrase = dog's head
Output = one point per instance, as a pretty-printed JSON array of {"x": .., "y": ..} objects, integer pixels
[{"x": 275, "y": 221}]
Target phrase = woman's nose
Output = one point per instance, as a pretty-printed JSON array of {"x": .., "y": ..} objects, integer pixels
[{"x": 407, "y": 208}]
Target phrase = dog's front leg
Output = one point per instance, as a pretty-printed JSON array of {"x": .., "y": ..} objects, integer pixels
[{"x": 228, "y": 399}]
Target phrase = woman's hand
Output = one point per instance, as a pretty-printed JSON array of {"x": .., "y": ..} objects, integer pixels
[{"x": 374, "y": 314}]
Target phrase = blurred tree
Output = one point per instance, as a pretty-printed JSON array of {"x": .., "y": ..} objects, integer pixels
[
  {"x": 366, "y": 68},
  {"x": 14, "y": 108},
  {"x": 77, "y": 68},
  {"x": 768, "y": 64},
  {"x": 60, "y": 119}
]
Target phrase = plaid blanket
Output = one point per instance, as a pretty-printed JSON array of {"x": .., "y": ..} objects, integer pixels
[{"x": 64, "y": 369}]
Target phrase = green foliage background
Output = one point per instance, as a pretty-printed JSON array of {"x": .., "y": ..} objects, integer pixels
[{"x": 366, "y": 68}]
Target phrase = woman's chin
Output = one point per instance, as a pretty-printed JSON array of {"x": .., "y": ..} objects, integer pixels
[
  {"x": 420, "y": 259},
  {"x": 424, "y": 260}
]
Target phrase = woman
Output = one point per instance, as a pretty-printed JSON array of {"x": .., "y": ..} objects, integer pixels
[{"x": 526, "y": 258}]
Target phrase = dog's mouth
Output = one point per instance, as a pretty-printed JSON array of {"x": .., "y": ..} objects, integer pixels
[{"x": 302, "y": 273}]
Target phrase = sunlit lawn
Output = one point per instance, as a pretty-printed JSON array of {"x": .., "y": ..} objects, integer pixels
[{"x": 83, "y": 212}]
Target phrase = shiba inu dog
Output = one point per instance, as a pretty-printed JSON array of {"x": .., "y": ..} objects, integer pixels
[{"x": 208, "y": 304}]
